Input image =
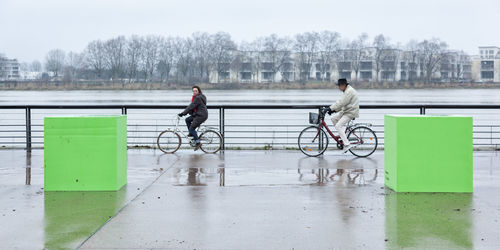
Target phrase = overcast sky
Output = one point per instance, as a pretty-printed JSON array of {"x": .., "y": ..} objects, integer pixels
[{"x": 28, "y": 29}]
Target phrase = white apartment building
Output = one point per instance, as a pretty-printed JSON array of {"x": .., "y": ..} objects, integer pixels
[
  {"x": 390, "y": 65},
  {"x": 486, "y": 65},
  {"x": 9, "y": 69}
]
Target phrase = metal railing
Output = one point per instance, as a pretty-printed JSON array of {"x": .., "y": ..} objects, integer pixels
[{"x": 245, "y": 126}]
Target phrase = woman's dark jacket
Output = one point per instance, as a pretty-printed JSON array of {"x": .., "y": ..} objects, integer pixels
[{"x": 198, "y": 107}]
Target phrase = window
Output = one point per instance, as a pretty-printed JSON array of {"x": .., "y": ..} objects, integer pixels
[
  {"x": 481, "y": 52},
  {"x": 287, "y": 66},
  {"x": 267, "y": 66},
  {"x": 491, "y": 51},
  {"x": 267, "y": 75},
  {"x": 366, "y": 65},
  {"x": 344, "y": 66},
  {"x": 388, "y": 65},
  {"x": 246, "y": 75},
  {"x": 487, "y": 64},
  {"x": 246, "y": 67},
  {"x": 318, "y": 67},
  {"x": 224, "y": 75},
  {"x": 388, "y": 75},
  {"x": 486, "y": 74},
  {"x": 366, "y": 75},
  {"x": 287, "y": 76},
  {"x": 224, "y": 66},
  {"x": 346, "y": 75}
]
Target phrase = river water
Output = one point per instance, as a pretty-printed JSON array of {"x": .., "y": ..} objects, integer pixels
[{"x": 313, "y": 96}]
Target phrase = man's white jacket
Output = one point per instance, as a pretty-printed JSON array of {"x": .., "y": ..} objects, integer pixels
[{"x": 348, "y": 104}]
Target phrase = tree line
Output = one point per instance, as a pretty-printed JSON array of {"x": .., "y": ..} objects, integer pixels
[{"x": 192, "y": 59}]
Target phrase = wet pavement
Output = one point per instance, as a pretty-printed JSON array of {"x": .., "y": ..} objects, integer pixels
[{"x": 247, "y": 199}]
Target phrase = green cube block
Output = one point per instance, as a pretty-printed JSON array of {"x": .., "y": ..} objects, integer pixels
[
  {"x": 428, "y": 153},
  {"x": 85, "y": 153}
]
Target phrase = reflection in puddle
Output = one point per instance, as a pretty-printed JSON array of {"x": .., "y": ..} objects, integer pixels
[
  {"x": 346, "y": 176},
  {"x": 70, "y": 217},
  {"x": 202, "y": 171},
  {"x": 417, "y": 219}
]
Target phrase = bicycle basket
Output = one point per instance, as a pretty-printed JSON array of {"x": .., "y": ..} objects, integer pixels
[{"x": 313, "y": 118}]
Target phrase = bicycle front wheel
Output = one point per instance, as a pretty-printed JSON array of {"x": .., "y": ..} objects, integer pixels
[
  {"x": 363, "y": 140},
  {"x": 168, "y": 141},
  {"x": 211, "y": 141},
  {"x": 313, "y": 141}
]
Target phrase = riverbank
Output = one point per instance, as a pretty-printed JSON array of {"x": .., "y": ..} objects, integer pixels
[{"x": 234, "y": 86}]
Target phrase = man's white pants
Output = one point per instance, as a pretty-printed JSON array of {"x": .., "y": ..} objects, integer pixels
[{"x": 339, "y": 121}]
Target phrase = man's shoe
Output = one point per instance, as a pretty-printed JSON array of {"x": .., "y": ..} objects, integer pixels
[
  {"x": 346, "y": 148},
  {"x": 197, "y": 146}
]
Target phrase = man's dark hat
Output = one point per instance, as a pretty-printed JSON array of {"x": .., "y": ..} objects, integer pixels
[{"x": 342, "y": 81}]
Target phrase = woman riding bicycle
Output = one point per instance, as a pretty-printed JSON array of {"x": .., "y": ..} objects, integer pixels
[{"x": 198, "y": 114}]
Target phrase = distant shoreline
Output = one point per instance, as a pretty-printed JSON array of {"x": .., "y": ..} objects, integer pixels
[{"x": 51, "y": 86}]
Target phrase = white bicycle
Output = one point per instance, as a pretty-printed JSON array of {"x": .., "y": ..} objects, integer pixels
[{"x": 169, "y": 140}]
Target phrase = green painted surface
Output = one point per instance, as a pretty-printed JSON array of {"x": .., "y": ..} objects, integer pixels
[
  {"x": 428, "y": 220},
  {"x": 85, "y": 153},
  {"x": 428, "y": 153},
  {"x": 71, "y": 217}
]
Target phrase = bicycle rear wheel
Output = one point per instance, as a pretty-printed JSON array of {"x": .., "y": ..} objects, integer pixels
[
  {"x": 312, "y": 143},
  {"x": 211, "y": 141},
  {"x": 364, "y": 140},
  {"x": 168, "y": 141}
]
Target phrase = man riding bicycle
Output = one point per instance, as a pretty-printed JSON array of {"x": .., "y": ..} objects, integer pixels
[
  {"x": 347, "y": 108},
  {"x": 199, "y": 114}
]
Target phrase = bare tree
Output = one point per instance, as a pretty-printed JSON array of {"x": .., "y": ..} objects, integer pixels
[
  {"x": 36, "y": 66},
  {"x": 431, "y": 56},
  {"x": 167, "y": 58},
  {"x": 54, "y": 61},
  {"x": 74, "y": 64},
  {"x": 223, "y": 49},
  {"x": 329, "y": 45},
  {"x": 380, "y": 46},
  {"x": 183, "y": 49},
  {"x": 201, "y": 53},
  {"x": 114, "y": 50},
  {"x": 411, "y": 58},
  {"x": 254, "y": 53},
  {"x": 277, "y": 52},
  {"x": 133, "y": 52},
  {"x": 24, "y": 66},
  {"x": 150, "y": 48},
  {"x": 95, "y": 57},
  {"x": 306, "y": 47},
  {"x": 358, "y": 53}
]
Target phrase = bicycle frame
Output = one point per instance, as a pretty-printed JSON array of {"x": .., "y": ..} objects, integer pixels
[
  {"x": 336, "y": 138},
  {"x": 176, "y": 129}
]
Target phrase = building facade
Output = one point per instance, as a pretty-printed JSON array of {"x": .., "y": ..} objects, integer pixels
[
  {"x": 9, "y": 69},
  {"x": 367, "y": 65},
  {"x": 486, "y": 65}
]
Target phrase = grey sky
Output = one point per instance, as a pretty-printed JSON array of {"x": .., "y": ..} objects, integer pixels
[{"x": 31, "y": 28}]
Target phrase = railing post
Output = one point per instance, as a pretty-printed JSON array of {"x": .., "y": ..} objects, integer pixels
[
  {"x": 422, "y": 110},
  {"x": 124, "y": 111},
  {"x": 28, "y": 168},
  {"x": 28, "y": 129},
  {"x": 221, "y": 127}
]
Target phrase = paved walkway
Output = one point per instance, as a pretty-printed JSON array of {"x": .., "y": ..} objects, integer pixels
[{"x": 247, "y": 199}]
